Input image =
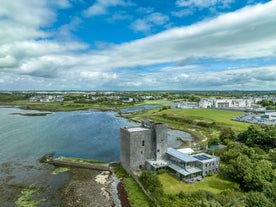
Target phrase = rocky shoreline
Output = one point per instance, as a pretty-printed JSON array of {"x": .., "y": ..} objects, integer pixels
[
  {"x": 82, "y": 189},
  {"x": 76, "y": 187},
  {"x": 92, "y": 188}
]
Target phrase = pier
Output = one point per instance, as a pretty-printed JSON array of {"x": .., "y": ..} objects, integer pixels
[{"x": 59, "y": 162}]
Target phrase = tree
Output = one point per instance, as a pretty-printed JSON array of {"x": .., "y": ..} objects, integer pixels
[
  {"x": 151, "y": 183},
  {"x": 233, "y": 151},
  {"x": 258, "y": 176},
  {"x": 270, "y": 191},
  {"x": 227, "y": 134},
  {"x": 213, "y": 141},
  {"x": 256, "y": 199},
  {"x": 261, "y": 135},
  {"x": 238, "y": 168}
]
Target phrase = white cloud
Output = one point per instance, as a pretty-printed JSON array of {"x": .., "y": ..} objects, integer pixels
[
  {"x": 158, "y": 18},
  {"x": 7, "y": 61},
  {"x": 179, "y": 68},
  {"x": 98, "y": 75},
  {"x": 146, "y": 24},
  {"x": 244, "y": 34},
  {"x": 118, "y": 16},
  {"x": 141, "y": 25},
  {"x": 239, "y": 79},
  {"x": 203, "y": 3},
  {"x": 20, "y": 21},
  {"x": 247, "y": 33},
  {"x": 182, "y": 13},
  {"x": 101, "y": 7},
  {"x": 65, "y": 31}
]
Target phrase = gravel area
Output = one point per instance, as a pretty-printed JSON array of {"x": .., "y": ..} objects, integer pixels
[{"x": 82, "y": 189}]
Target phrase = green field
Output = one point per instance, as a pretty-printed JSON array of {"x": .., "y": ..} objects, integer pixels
[
  {"x": 201, "y": 123},
  {"x": 213, "y": 184},
  {"x": 221, "y": 117}
]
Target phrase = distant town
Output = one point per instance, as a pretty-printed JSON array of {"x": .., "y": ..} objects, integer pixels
[{"x": 259, "y": 107}]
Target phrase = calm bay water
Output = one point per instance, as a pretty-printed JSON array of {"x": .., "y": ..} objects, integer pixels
[
  {"x": 85, "y": 134},
  {"x": 24, "y": 139},
  {"x": 139, "y": 108}
]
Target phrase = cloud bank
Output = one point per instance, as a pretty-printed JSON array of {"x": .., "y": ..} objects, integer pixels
[{"x": 30, "y": 53}]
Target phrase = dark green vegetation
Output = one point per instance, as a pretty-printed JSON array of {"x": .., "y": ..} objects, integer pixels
[
  {"x": 12, "y": 97},
  {"x": 270, "y": 105},
  {"x": 136, "y": 196},
  {"x": 263, "y": 136},
  {"x": 151, "y": 183}
]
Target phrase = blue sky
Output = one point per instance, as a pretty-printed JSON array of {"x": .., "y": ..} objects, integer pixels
[{"x": 137, "y": 45}]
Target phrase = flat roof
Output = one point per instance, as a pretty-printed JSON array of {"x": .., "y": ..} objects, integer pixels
[
  {"x": 202, "y": 157},
  {"x": 137, "y": 129},
  {"x": 186, "y": 150},
  {"x": 180, "y": 155},
  {"x": 157, "y": 163},
  {"x": 185, "y": 172}
]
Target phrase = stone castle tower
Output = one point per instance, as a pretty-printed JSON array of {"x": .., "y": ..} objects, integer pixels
[{"x": 141, "y": 143}]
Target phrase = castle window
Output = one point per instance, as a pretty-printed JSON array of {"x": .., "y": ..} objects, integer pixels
[
  {"x": 141, "y": 152},
  {"x": 143, "y": 143},
  {"x": 158, "y": 150}
]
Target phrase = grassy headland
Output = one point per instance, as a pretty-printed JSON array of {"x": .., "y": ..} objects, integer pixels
[{"x": 201, "y": 123}]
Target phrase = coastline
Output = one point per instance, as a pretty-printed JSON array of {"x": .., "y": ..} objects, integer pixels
[
  {"x": 91, "y": 188},
  {"x": 77, "y": 185},
  {"x": 94, "y": 183}
]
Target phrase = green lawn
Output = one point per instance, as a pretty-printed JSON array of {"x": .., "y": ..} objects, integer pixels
[
  {"x": 213, "y": 184},
  {"x": 136, "y": 196}
]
